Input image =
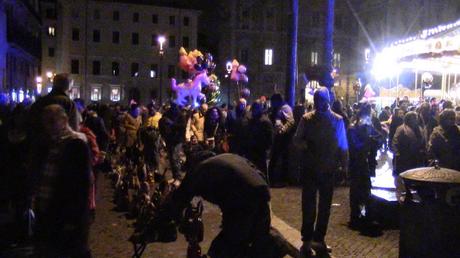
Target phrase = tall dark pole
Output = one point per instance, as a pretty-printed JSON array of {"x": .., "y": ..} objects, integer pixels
[
  {"x": 161, "y": 53},
  {"x": 292, "y": 72},
  {"x": 161, "y": 77},
  {"x": 329, "y": 47}
]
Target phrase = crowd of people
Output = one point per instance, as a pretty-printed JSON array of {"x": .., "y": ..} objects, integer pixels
[{"x": 54, "y": 150}]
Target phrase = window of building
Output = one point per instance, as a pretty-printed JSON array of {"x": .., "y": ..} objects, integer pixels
[
  {"x": 51, "y": 52},
  {"x": 134, "y": 70},
  {"x": 96, "y": 67},
  {"x": 75, "y": 66},
  {"x": 268, "y": 56},
  {"x": 96, "y": 93},
  {"x": 135, "y": 38},
  {"x": 75, "y": 14},
  {"x": 50, "y": 13},
  {"x": 74, "y": 93},
  {"x": 314, "y": 58},
  {"x": 154, "y": 18},
  {"x": 172, "y": 20},
  {"x": 337, "y": 61},
  {"x": 154, "y": 40},
  {"x": 75, "y": 34},
  {"x": 244, "y": 55},
  {"x": 96, "y": 36},
  {"x": 315, "y": 19},
  {"x": 115, "y": 93},
  {"x": 171, "y": 71},
  {"x": 186, "y": 21},
  {"x": 97, "y": 14},
  {"x": 172, "y": 41},
  {"x": 115, "y": 68},
  {"x": 153, "y": 70},
  {"x": 116, "y": 15},
  {"x": 185, "y": 42},
  {"x": 244, "y": 19},
  {"x": 115, "y": 37},
  {"x": 135, "y": 17},
  {"x": 51, "y": 31}
]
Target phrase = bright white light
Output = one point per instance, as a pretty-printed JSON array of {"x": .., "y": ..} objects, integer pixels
[
  {"x": 161, "y": 40},
  {"x": 49, "y": 74},
  {"x": 38, "y": 79},
  {"x": 21, "y": 95},
  {"x": 14, "y": 96},
  {"x": 385, "y": 64},
  {"x": 152, "y": 74},
  {"x": 268, "y": 57},
  {"x": 48, "y": 89},
  {"x": 228, "y": 66}
]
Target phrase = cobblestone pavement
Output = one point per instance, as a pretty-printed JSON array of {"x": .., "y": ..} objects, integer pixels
[{"x": 111, "y": 229}]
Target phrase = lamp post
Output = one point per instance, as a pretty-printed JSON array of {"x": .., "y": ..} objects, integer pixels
[
  {"x": 228, "y": 67},
  {"x": 161, "y": 53}
]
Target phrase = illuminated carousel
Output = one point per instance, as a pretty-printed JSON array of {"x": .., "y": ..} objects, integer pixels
[{"x": 426, "y": 65}]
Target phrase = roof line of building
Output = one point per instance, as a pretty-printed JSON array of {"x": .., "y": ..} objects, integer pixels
[{"x": 160, "y": 3}]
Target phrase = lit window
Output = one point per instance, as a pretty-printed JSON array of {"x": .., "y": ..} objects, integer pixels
[
  {"x": 21, "y": 95},
  {"x": 14, "y": 96},
  {"x": 268, "y": 57},
  {"x": 74, "y": 93},
  {"x": 337, "y": 60},
  {"x": 95, "y": 93},
  {"x": 115, "y": 93},
  {"x": 51, "y": 31},
  {"x": 314, "y": 58}
]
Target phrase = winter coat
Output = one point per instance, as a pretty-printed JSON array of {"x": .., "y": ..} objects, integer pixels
[
  {"x": 131, "y": 125},
  {"x": 445, "y": 147},
  {"x": 197, "y": 126},
  {"x": 408, "y": 149}
]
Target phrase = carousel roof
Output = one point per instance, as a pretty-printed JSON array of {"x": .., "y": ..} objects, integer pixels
[{"x": 436, "y": 50}]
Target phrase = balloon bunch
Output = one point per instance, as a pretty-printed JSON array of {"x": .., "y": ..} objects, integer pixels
[
  {"x": 195, "y": 62},
  {"x": 212, "y": 92},
  {"x": 238, "y": 72}
]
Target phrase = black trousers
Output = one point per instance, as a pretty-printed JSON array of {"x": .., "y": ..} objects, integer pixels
[
  {"x": 243, "y": 229},
  {"x": 360, "y": 190},
  {"x": 314, "y": 225},
  {"x": 280, "y": 151}
]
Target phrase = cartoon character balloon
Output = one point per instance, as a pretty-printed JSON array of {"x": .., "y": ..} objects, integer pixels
[
  {"x": 197, "y": 65},
  {"x": 239, "y": 72}
]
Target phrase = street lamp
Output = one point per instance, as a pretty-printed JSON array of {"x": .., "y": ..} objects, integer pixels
[
  {"x": 161, "y": 53},
  {"x": 228, "y": 66}
]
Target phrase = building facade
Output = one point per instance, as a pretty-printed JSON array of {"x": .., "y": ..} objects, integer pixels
[
  {"x": 391, "y": 20},
  {"x": 111, "y": 49},
  {"x": 257, "y": 35},
  {"x": 20, "y": 49}
]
